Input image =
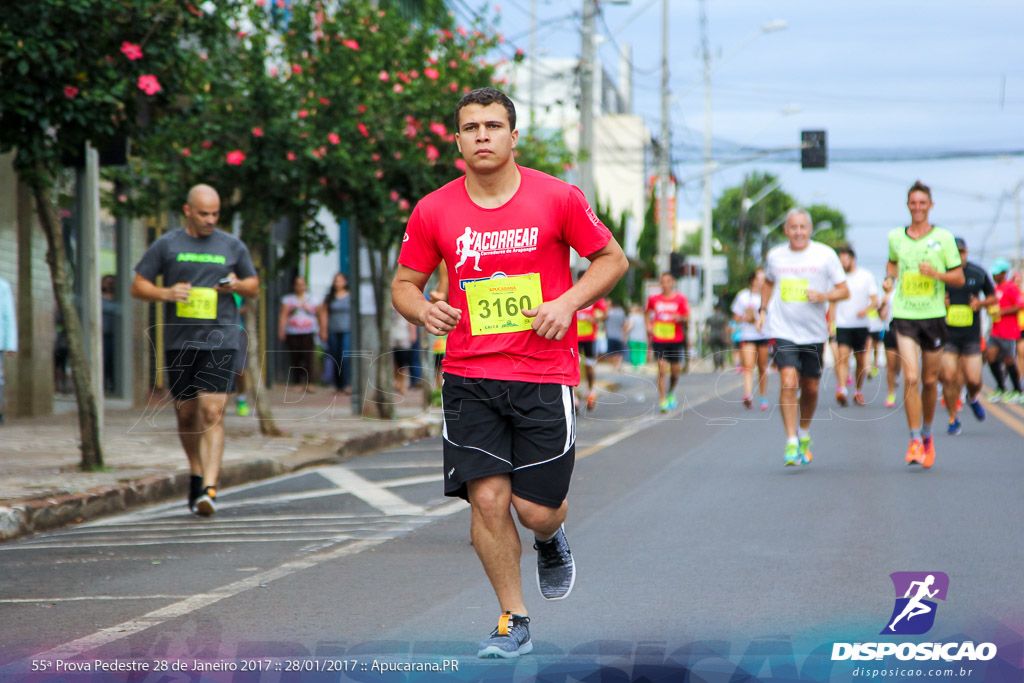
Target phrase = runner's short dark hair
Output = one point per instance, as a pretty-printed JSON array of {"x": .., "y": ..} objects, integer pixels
[
  {"x": 846, "y": 249},
  {"x": 918, "y": 186},
  {"x": 484, "y": 97}
]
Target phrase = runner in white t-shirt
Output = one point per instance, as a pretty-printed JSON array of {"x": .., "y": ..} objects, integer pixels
[
  {"x": 753, "y": 342},
  {"x": 801, "y": 278},
  {"x": 851, "y": 317}
]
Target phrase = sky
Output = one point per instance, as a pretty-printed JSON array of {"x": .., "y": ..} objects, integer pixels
[{"x": 887, "y": 80}]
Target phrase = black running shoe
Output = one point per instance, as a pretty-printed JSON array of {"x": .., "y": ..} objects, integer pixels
[
  {"x": 556, "y": 570},
  {"x": 510, "y": 638},
  {"x": 206, "y": 504}
]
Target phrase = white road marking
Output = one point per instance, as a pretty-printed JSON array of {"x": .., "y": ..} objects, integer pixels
[
  {"x": 88, "y": 598},
  {"x": 370, "y": 492}
]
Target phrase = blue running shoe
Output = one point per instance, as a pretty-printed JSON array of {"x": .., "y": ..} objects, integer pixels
[
  {"x": 804, "y": 449},
  {"x": 954, "y": 427},
  {"x": 510, "y": 638},
  {"x": 977, "y": 409},
  {"x": 672, "y": 403}
]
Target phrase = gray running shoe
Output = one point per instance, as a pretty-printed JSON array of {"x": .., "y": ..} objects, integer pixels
[
  {"x": 206, "y": 504},
  {"x": 556, "y": 570},
  {"x": 510, "y": 638}
]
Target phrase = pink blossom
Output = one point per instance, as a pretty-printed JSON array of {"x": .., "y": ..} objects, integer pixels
[
  {"x": 362, "y": 129},
  {"x": 432, "y": 60},
  {"x": 414, "y": 74},
  {"x": 273, "y": 71},
  {"x": 333, "y": 137},
  {"x": 432, "y": 74},
  {"x": 235, "y": 158},
  {"x": 186, "y": 152},
  {"x": 206, "y": 144},
  {"x": 323, "y": 181},
  {"x": 453, "y": 86},
  {"x": 398, "y": 87},
  {"x": 281, "y": 4},
  {"x": 350, "y": 44},
  {"x": 439, "y": 129},
  {"x": 303, "y": 135},
  {"x": 257, "y": 131},
  {"x": 394, "y": 195},
  {"x": 460, "y": 164},
  {"x": 290, "y": 156},
  {"x": 70, "y": 92},
  {"x": 379, "y": 174},
  {"x": 383, "y": 75},
  {"x": 410, "y": 131},
  {"x": 131, "y": 50},
  {"x": 242, "y": 34},
  {"x": 403, "y": 77},
  {"x": 398, "y": 155},
  {"x": 149, "y": 84},
  {"x": 122, "y": 198},
  {"x": 452, "y": 63},
  {"x": 303, "y": 113},
  {"x": 462, "y": 31},
  {"x": 361, "y": 109},
  {"x": 296, "y": 69},
  {"x": 432, "y": 153},
  {"x": 403, "y": 204},
  {"x": 448, "y": 34},
  {"x": 324, "y": 101},
  {"x": 260, "y": 3}
]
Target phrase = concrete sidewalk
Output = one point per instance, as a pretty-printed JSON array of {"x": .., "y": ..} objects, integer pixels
[{"x": 42, "y": 487}]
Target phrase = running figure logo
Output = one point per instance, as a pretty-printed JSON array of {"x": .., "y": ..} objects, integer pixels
[
  {"x": 464, "y": 246},
  {"x": 914, "y": 612}
]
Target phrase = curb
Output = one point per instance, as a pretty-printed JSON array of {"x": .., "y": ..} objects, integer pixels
[{"x": 44, "y": 514}]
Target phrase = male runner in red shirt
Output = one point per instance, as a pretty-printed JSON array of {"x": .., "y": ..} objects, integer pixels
[
  {"x": 511, "y": 359},
  {"x": 667, "y": 315}
]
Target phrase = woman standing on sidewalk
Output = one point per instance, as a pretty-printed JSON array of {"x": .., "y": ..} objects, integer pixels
[
  {"x": 335, "y": 327},
  {"x": 297, "y": 329}
]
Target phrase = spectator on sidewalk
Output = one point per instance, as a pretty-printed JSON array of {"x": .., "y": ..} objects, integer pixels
[
  {"x": 297, "y": 328},
  {"x": 336, "y": 328},
  {"x": 8, "y": 334},
  {"x": 206, "y": 266}
]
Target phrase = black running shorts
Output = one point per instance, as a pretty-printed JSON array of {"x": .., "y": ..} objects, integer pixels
[
  {"x": 670, "y": 351},
  {"x": 586, "y": 349},
  {"x": 854, "y": 337},
  {"x": 189, "y": 372},
  {"x": 497, "y": 427},
  {"x": 963, "y": 345},
  {"x": 889, "y": 339},
  {"x": 929, "y": 333},
  {"x": 806, "y": 358}
]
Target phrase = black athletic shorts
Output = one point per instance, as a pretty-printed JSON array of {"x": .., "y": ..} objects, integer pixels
[
  {"x": 670, "y": 351},
  {"x": 525, "y": 430},
  {"x": 929, "y": 333},
  {"x": 854, "y": 337},
  {"x": 586, "y": 349},
  {"x": 964, "y": 345},
  {"x": 876, "y": 335},
  {"x": 190, "y": 371},
  {"x": 889, "y": 339},
  {"x": 806, "y": 358}
]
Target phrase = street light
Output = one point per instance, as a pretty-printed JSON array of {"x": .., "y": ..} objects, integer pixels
[{"x": 705, "y": 241}]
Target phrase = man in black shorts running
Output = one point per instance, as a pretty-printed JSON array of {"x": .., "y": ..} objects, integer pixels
[
  {"x": 511, "y": 358},
  {"x": 203, "y": 268}
]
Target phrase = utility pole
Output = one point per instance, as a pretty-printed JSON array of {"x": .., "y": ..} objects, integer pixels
[
  {"x": 533, "y": 64},
  {"x": 88, "y": 188},
  {"x": 665, "y": 229},
  {"x": 705, "y": 238},
  {"x": 587, "y": 60}
]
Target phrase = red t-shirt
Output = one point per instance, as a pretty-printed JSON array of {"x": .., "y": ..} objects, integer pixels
[
  {"x": 665, "y": 328},
  {"x": 586, "y": 321},
  {"x": 1008, "y": 326},
  {"x": 531, "y": 233}
]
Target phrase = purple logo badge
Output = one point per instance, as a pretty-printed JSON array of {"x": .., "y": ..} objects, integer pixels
[{"x": 916, "y": 592}]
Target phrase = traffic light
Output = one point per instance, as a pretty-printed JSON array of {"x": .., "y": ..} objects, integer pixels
[
  {"x": 676, "y": 264},
  {"x": 813, "y": 151}
]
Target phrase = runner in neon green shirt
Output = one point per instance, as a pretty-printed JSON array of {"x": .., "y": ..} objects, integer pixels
[{"x": 923, "y": 259}]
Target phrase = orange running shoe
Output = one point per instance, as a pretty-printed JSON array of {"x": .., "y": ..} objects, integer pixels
[
  {"x": 591, "y": 400},
  {"x": 929, "y": 452},
  {"x": 858, "y": 398},
  {"x": 915, "y": 453},
  {"x": 841, "y": 398}
]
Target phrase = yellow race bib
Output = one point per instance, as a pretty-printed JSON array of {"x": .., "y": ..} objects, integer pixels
[
  {"x": 201, "y": 304},
  {"x": 873, "y": 314},
  {"x": 1020, "y": 318},
  {"x": 496, "y": 305},
  {"x": 916, "y": 285},
  {"x": 584, "y": 328},
  {"x": 994, "y": 313},
  {"x": 959, "y": 316},
  {"x": 793, "y": 290},
  {"x": 664, "y": 331}
]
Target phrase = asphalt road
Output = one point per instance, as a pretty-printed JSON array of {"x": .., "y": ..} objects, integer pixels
[{"x": 697, "y": 550}]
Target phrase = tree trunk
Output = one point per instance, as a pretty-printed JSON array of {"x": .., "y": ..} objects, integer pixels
[
  {"x": 254, "y": 355},
  {"x": 382, "y": 394},
  {"x": 88, "y": 413}
]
